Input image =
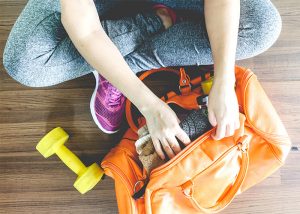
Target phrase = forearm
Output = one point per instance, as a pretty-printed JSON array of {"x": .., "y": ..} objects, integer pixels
[
  {"x": 100, "y": 52},
  {"x": 82, "y": 23},
  {"x": 222, "y": 23}
]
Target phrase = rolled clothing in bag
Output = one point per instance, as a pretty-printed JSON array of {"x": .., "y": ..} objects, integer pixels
[{"x": 194, "y": 124}]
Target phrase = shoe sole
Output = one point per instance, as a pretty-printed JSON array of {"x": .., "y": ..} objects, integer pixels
[{"x": 92, "y": 102}]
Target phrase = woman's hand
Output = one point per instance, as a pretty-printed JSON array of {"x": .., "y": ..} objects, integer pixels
[
  {"x": 163, "y": 126},
  {"x": 222, "y": 19},
  {"x": 223, "y": 110}
]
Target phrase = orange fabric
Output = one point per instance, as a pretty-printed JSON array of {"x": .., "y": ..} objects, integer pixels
[{"x": 206, "y": 175}]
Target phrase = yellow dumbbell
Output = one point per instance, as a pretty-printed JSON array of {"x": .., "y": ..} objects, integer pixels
[{"x": 53, "y": 143}]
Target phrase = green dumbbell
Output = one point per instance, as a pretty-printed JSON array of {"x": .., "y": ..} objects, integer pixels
[{"x": 53, "y": 143}]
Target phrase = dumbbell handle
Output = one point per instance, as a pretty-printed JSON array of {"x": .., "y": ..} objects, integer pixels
[{"x": 70, "y": 159}]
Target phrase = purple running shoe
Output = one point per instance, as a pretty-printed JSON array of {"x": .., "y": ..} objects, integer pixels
[{"x": 107, "y": 105}]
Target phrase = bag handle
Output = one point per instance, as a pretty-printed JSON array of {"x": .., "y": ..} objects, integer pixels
[
  {"x": 188, "y": 99},
  {"x": 243, "y": 144}
]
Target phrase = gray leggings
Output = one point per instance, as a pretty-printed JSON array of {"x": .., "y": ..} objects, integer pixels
[{"x": 39, "y": 53}]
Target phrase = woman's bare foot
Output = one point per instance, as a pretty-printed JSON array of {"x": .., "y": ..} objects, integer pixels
[{"x": 165, "y": 17}]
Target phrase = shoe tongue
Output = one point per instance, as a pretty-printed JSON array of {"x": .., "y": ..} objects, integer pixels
[
  {"x": 115, "y": 95},
  {"x": 114, "y": 90},
  {"x": 105, "y": 84}
]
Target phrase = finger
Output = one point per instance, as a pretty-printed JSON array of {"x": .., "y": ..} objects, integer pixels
[
  {"x": 167, "y": 148},
  {"x": 174, "y": 144},
  {"x": 212, "y": 118},
  {"x": 145, "y": 127},
  {"x": 158, "y": 148},
  {"x": 182, "y": 136},
  {"x": 237, "y": 123},
  {"x": 229, "y": 130},
  {"x": 220, "y": 132},
  {"x": 143, "y": 130}
]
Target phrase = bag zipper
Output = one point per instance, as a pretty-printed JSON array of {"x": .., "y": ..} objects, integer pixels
[
  {"x": 129, "y": 185},
  {"x": 108, "y": 164},
  {"x": 179, "y": 156},
  {"x": 119, "y": 172},
  {"x": 231, "y": 149},
  {"x": 125, "y": 180}
]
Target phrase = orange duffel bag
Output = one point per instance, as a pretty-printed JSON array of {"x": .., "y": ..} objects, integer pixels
[{"x": 207, "y": 174}]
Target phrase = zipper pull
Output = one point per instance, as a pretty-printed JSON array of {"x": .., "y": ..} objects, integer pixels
[
  {"x": 140, "y": 193},
  {"x": 243, "y": 143}
]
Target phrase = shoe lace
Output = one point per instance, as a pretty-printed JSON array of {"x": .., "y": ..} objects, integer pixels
[{"x": 114, "y": 96}]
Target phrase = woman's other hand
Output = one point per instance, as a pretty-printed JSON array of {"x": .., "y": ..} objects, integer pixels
[{"x": 223, "y": 110}]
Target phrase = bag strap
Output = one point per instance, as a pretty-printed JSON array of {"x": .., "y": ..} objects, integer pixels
[{"x": 188, "y": 99}]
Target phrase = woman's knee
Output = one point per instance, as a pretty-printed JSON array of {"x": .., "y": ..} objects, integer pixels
[
  {"x": 22, "y": 77},
  {"x": 45, "y": 70},
  {"x": 24, "y": 70},
  {"x": 23, "y": 62},
  {"x": 260, "y": 27},
  {"x": 23, "y": 45},
  {"x": 45, "y": 55},
  {"x": 15, "y": 63},
  {"x": 33, "y": 73}
]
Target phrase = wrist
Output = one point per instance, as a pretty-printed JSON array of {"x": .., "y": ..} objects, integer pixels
[
  {"x": 150, "y": 105},
  {"x": 224, "y": 76},
  {"x": 224, "y": 82},
  {"x": 224, "y": 69},
  {"x": 146, "y": 101},
  {"x": 226, "y": 79}
]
